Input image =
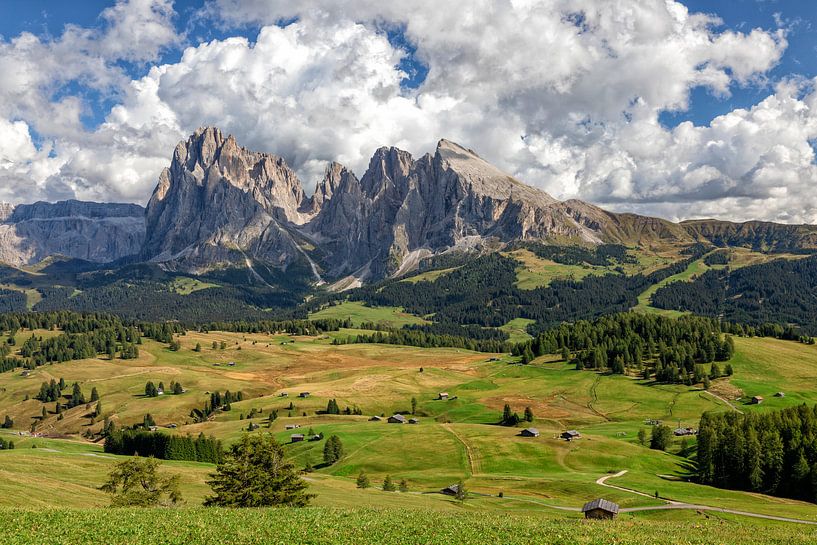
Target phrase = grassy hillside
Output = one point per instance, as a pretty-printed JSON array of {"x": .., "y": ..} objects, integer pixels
[{"x": 534, "y": 474}]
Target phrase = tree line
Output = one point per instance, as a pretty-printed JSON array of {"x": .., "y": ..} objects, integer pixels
[
  {"x": 773, "y": 453},
  {"x": 669, "y": 349},
  {"x": 781, "y": 291},
  {"x": 164, "y": 446}
]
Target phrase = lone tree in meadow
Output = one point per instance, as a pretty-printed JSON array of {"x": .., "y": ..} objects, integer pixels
[
  {"x": 509, "y": 418},
  {"x": 661, "y": 437},
  {"x": 332, "y": 450},
  {"x": 388, "y": 484},
  {"x": 150, "y": 389},
  {"x": 363, "y": 480},
  {"x": 528, "y": 414},
  {"x": 137, "y": 483},
  {"x": 255, "y": 473}
]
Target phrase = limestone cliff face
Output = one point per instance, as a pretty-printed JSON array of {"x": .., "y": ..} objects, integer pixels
[
  {"x": 91, "y": 231},
  {"x": 405, "y": 209},
  {"x": 219, "y": 204}
]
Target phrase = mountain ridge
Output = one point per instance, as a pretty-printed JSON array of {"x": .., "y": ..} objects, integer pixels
[{"x": 220, "y": 205}]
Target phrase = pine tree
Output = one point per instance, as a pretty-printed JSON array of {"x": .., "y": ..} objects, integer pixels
[
  {"x": 197, "y": 348},
  {"x": 507, "y": 414},
  {"x": 528, "y": 414},
  {"x": 332, "y": 450},
  {"x": 565, "y": 353},
  {"x": 94, "y": 394},
  {"x": 77, "y": 397},
  {"x": 388, "y": 484},
  {"x": 413, "y": 405},
  {"x": 363, "y": 480},
  {"x": 404, "y": 487},
  {"x": 255, "y": 473}
]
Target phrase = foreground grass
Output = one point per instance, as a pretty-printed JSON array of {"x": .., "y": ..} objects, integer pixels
[{"x": 369, "y": 526}]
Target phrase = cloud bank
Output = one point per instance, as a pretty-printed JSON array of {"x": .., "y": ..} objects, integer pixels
[{"x": 565, "y": 95}]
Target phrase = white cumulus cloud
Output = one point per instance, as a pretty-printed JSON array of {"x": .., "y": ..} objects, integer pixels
[{"x": 564, "y": 94}]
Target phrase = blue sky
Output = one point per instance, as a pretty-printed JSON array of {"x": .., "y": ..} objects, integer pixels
[
  {"x": 93, "y": 105},
  {"x": 799, "y": 17}
]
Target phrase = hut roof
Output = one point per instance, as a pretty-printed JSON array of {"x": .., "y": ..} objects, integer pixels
[{"x": 602, "y": 504}]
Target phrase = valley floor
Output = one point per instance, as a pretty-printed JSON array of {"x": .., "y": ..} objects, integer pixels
[{"x": 543, "y": 480}]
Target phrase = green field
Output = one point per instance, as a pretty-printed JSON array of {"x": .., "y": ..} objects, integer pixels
[
  {"x": 694, "y": 269},
  {"x": 517, "y": 329},
  {"x": 535, "y": 475},
  {"x": 184, "y": 285},
  {"x": 535, "y": 272},
  {"x": 377, "y": 527},
  {"x": 360, "y": 313}
]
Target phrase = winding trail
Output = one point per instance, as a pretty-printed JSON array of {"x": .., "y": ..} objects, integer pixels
[
  {"x": 473, "y": 461},
  {"x": 670, "y": 504},
  {"x": 726, "y": 401},
  {"x": 595, "y": 398}
]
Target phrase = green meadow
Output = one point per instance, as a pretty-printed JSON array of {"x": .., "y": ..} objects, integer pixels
[{"x": 455, "y": 439}]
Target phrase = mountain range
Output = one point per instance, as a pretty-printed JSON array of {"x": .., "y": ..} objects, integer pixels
[{"x": 220, "y": 206}]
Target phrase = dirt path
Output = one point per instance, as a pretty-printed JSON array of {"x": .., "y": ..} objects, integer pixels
[
  {"x": 727, "y": 402},
  {"x": 670, "y": 504},
  {"x": 603, "y": 482},
  {"x": 473, "y": 459},
  {"x": 594, "y": 398}
]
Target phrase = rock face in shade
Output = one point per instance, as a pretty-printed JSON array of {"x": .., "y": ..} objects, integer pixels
[
  {"x": 219, "y": 205},
  {"x": 90, "y": 231}
]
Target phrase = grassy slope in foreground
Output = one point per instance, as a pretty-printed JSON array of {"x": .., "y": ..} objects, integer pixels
[{"x": 368, "y": 526}]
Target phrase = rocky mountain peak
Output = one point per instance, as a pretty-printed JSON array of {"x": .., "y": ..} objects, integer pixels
[
  {"x": 388, "y": 169},
  {"x": 484, "y": 178},
  {"x": 334, "y": 176}
]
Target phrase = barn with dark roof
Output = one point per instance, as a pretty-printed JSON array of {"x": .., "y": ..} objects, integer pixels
[{"x": 600, "y": 509}]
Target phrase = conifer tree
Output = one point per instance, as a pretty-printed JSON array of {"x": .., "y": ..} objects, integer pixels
[
  {"x": 363, "y": 480},
  {"x": 388, "y": 484},
  {"x": 255, "y": 473}
]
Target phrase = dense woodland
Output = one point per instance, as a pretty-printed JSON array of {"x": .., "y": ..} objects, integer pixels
[
  {"x": 482, "y": 292},
  {"x": 12, "y": 301},
  {"x": 89, "y": 335},
  {"x": 164, "y": 446},
  {"x": 602, "y": 255},
  {"x": 782, "y": 291},
  {"x": 667, "y": 348},
  {"x": 774, "y": 453}
]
